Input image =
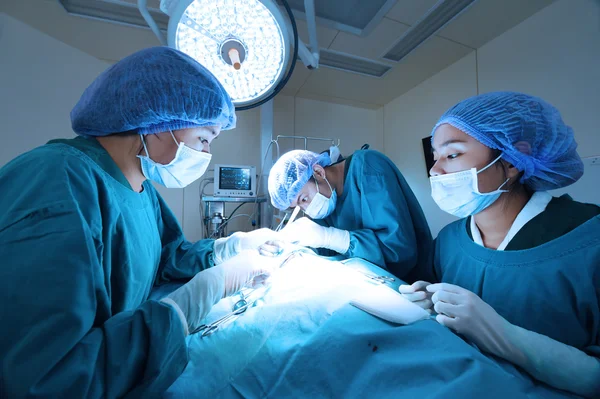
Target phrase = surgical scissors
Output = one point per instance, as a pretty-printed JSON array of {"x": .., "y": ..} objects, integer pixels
[
  {"x": 238, "y": 308},
  {"x": 243, "y": 303},
  {"x": 292, "y": 218}
]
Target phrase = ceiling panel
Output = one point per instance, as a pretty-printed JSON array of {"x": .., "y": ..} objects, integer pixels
[
  {"x": 410, "y": 11},
  {"x": 324, "y": 35},
  {"x": 107, "y": 41},
  {"x": 480, "y": 23},
  {"x": 358, "y": 17},
  {"x": 354, "y": 13},
  {"x": 372, "y": 46},
  {"x": 151, "y": 3},
  {"x": 433, "y": 56},
  {"x": 486, "y": 19},
  {"x": 118, "y": 11}
]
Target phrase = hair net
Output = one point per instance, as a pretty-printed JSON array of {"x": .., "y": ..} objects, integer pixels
[
  {"x": 152, "y": 91},
  {"x": 290, "y": 173},
  {"x": 530, "y": 133}
]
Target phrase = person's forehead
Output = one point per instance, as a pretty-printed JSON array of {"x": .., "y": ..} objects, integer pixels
[{"x": 446, "y": 135}]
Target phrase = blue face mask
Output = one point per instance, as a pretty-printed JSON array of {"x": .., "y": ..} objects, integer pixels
[
  {"x": 458, "y": 193},
  {"x": 187, "y": 166},
  {"x": 320, "y": 207}
]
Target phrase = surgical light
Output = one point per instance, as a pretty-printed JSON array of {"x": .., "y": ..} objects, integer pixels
[{"x": 244, "y": 43}]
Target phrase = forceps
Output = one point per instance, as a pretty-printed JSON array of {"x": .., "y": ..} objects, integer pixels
[
  {"x": 238, "y": 308},
  {"x": 373, "y": 277},
  {"x": 379, "y": 279},
  {"x": 241, "y": 305}
]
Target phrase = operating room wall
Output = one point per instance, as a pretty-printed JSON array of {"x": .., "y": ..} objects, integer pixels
[
  {"x": 41, "y": 79},
  {"x": 553, "y": 54},
  {"x": 292, "y": 117},
  {"x": 352, "y": 126}
]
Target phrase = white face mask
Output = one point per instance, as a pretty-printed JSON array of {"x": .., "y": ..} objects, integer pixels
[
  {"x": 320, "y": 207},
  {"x": 187, "y": 166},
  {"x": 458, "y": 193}
]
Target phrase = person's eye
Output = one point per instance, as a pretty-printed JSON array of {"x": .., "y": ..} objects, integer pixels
[
  {"x": 304, "y": 199},
  {"x": 203, "y": 140},
  {"x": 452, "y": 156}
]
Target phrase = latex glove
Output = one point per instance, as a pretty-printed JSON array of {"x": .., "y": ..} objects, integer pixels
[
  {"x": 228, "y": 247},
  {"x": 464, "y": 312},
  {"x": 194, "y": 300},
  {"x": 307, "y": 233},
  {"x": 555, "y": 363},
  {"x": 418, "y": 294},
  {"x": 272, "y": 248}
]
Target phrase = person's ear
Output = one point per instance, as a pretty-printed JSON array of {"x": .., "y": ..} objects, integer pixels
[
  {"x": 511, "y": 171},
  {"x": 523, "y": 147},
  {"x": 319, "y": 171}
]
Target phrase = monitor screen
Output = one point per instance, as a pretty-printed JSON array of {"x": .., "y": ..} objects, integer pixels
[{"x": 235, "y": 179}]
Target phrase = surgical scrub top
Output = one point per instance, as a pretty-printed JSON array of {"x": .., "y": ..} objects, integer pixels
[
  {"x": 80, "y": 252},
  {"x": 548, "y": 278},
  {"x": 386, "y": 223}
]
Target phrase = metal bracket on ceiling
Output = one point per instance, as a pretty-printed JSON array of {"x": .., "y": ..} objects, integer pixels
[
  {"x": 143, "y": 7},
  {"x": 310, "y": 57}
]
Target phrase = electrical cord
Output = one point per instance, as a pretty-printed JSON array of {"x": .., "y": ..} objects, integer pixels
[{"x": 229, "y": 220}]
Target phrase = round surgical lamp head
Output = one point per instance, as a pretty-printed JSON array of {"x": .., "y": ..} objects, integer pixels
[{"x": 244, "y": 43}]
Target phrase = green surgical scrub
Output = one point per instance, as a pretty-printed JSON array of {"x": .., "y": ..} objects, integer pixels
[
  {"x": 80, "y": 252},
  {"x": 386, "y": 223},
  {"x": 548, "y": 279}
]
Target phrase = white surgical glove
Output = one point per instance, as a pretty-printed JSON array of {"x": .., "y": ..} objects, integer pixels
[
  {"x": 418, "y": 294},
  {"x": 464, "y": 312},
  {"x": 228, "y": 247},
  {"x": 194, "y": 300},
  {"x": 307, "y": 233},
  {"x": 550, "y": 361}
]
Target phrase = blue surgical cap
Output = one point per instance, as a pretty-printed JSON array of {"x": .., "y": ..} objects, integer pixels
[
  {"x": 290, "y": 173},
  {"x": 152, "y": 91},
  {"x": 530, "y": 133}
]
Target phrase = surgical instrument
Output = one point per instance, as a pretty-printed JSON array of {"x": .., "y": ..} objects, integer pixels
[
  {"x": 294, "y": 215},
  {"x": 245, "y": 301},
  {"x": 379, "y": 279}
]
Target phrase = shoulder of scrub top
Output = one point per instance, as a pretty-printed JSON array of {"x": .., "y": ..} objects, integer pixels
[{"x": 373, "y": 162}]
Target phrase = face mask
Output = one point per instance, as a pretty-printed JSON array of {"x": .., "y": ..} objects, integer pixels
[
  {"x": 320, "y": 207},
  {"x": 458, "y": 193},
  {"x": 187, "y": 166}
]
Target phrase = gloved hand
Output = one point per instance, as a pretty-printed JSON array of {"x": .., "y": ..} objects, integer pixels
[
  {"x": 228, "y": 247},
  {"x": 553, "y": 362},
  {"x": 418, "y": 294},
  {"x": 307, "y": 233},
  {"x": 272, "y": 248},
  {"x": 194, "y": 300},
  {"x": 467, "y": 314}
]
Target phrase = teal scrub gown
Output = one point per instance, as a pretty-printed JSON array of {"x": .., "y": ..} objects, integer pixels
[
  {"x": 79, "y": 254},
  {"x": 548, "y": 279},
  {"x": 386, "y": 223}
]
